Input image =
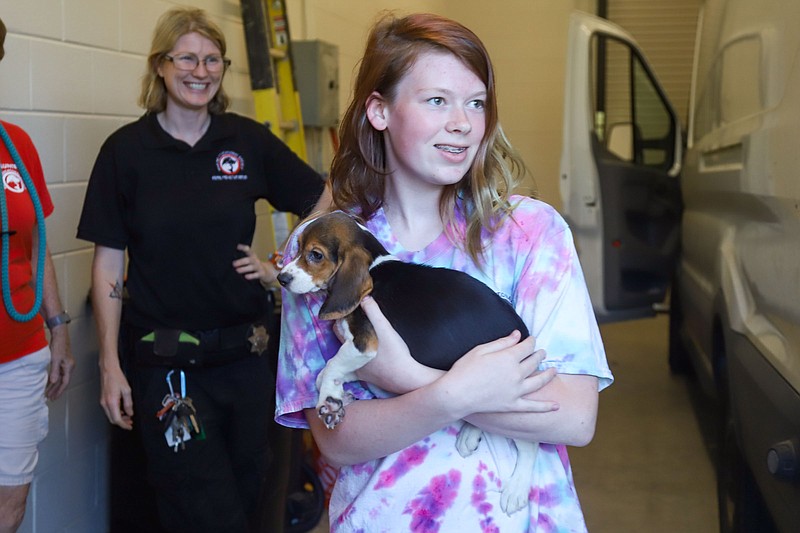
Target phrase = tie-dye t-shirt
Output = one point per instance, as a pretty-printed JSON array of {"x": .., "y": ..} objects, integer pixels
[{"x": 429, "y": 487}]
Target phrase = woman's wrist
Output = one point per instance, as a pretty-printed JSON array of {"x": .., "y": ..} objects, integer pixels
[
  {"x": 446, "y": 399},
  {"x": 269, "y": 274},
  {"x": 58, "y": 320}
]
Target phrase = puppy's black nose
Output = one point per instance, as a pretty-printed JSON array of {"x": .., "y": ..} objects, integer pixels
[{"x": 284, "y": 279}]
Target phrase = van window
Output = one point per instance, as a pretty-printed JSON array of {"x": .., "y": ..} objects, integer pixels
[
  {"x": 740, "y": 79},
  {"x": 733, "y": 88},
  {"x": 631, "y": 117}
]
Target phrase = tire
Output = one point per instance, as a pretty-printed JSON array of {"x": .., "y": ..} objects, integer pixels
[
  {"x": 741, "y": 507},
  {"x": 678, "y": 356}
]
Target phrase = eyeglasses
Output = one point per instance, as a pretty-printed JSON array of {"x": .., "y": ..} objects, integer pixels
[{"x": 190, "y": 62}]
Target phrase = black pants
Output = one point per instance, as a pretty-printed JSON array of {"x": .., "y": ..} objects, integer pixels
[{"x": 215, "y": 484}]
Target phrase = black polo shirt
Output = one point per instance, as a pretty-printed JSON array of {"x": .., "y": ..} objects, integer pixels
[{"x": 180, "y": 211}]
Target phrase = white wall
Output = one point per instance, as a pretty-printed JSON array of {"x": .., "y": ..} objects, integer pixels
[{"x": 71, "y": 76}]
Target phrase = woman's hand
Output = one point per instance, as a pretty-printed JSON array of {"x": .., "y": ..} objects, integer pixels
[
  {"x": 492, "y": 377},
  {"x": 115, "y": 396},
  {"x": 251, "y": 267},
  {"x": 61, "y": 363},
  {"x": 497, "y": 377},
  {"x": 393, "y": 370}
]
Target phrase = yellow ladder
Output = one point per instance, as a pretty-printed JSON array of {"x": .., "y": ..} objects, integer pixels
[{"x": 275, "y": 95}]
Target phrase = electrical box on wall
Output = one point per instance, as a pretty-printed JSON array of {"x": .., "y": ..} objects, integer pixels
[{"x": 316, "y": 65}]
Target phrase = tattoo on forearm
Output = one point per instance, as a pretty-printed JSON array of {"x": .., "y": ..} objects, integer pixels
[{"x": 116, "y": 291}]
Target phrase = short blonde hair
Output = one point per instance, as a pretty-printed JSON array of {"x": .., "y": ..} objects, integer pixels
[{"x": 173, "y": 25}]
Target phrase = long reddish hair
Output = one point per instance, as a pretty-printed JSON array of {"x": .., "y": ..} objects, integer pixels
[{"x": 359, "y": 166}]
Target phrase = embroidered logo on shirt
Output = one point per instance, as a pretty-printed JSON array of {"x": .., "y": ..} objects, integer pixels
[
  {"x": 231, "y": 165},
  {"x": 12, "y": 181}
]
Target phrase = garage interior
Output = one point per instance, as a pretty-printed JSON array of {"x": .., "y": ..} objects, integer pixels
[{"x": 650, "y": 465}]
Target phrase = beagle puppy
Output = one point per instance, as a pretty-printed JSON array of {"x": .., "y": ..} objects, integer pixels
[{"x": 440, "y": 313}]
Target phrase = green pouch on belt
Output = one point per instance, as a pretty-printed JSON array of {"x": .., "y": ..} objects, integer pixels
[
  {"x": 166, "y": 341},
  {"x": 170, "y": 347}
]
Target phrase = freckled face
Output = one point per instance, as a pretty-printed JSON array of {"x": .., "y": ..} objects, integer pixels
[
  {"x": 435, "y": 123},
  {"x": 191, "y": 89}
]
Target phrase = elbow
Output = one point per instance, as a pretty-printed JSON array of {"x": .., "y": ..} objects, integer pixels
[
  {"x": 332, "y": 444},
  {"x": 583, "y": 413},
  {"x": 583, "y": 436},
  {"x": 338, "y": 458},
  {"x": 339, "y": 452},
  {"x": 334, "y": 458},
  {"x": 583, "y": 432}
]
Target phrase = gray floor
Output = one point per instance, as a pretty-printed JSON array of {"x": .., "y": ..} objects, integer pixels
[{"x": 648, "y": 468}]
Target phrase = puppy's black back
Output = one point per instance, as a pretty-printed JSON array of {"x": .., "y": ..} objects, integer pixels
[{"x": 441, "y": 313}]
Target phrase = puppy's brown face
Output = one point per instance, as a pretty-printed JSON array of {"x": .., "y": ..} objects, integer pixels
[
  {"x": 315, "y": 265},
  {"x": 331, "y": 257}
]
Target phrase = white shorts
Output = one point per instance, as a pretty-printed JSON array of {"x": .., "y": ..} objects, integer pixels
[{"x": 23, "y": 416}]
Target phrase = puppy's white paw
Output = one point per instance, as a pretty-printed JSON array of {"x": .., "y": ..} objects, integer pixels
[
  {"x": 331, "y": 411},
  {"x": 514, "y": 496},
  {"x": 330, "y": 407},
  {"x": 516, "y": 490},
  {"x": 469, "y": 437}
]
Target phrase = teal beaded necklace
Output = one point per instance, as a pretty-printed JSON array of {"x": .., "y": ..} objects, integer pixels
[{"x": 6, "y": 235}]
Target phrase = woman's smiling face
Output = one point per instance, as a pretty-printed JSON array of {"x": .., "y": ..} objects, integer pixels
[
  {"x": 434, "y": 124},
  {"x": 191, "y": 89}
]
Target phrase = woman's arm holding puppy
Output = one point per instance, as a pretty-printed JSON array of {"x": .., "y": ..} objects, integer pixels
[
  {"x": 568, "y": 402},
  {"x": 376, "y": 428}
]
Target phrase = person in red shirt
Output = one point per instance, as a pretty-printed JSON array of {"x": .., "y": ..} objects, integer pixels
[{"x": 25, "y": 383}]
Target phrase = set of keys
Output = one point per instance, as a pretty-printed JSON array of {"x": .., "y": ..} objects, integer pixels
[{"x": 179, "y": 415}]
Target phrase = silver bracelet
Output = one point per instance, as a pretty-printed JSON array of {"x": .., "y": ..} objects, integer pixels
[{"x": 56, "y": 320}]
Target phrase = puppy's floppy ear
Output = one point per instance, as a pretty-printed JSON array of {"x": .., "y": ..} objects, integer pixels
[{"x": 350, "y": 284}]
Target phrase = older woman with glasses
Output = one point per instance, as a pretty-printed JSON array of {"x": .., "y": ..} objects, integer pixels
[{"x": 176, "y": 189}]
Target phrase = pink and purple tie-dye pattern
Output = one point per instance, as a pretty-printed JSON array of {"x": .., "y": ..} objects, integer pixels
[
  {"x": 429, "y": 507},
  {"x": 481, "y": 504},
  {"x": 428, "y": 486},
  {"x": 406, "y": 460}
]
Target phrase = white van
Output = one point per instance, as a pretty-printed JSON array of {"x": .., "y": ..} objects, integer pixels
[{"x": 720, "y": 224}]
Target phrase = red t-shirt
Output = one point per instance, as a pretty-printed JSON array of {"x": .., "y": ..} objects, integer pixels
[{"x": 18, "y": 339}]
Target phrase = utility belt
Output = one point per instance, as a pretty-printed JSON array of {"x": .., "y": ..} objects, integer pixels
[{"x": 177, "y": 348}]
